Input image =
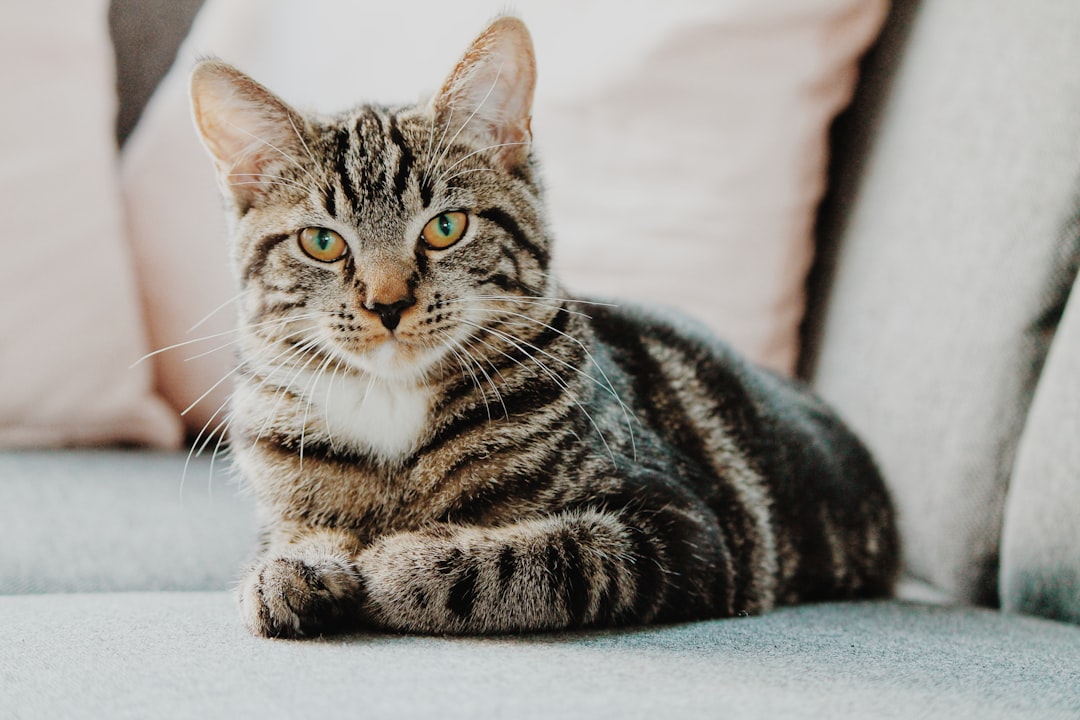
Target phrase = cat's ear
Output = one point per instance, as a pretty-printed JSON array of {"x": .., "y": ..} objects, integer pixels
[
  {"x": 244, "y": 126},
  {"x": 489, "y": 93}
]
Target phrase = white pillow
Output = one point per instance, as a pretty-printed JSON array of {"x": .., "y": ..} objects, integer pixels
[
  {"x": 70, "y": 324},
  {"x": 684, "y": 145}
]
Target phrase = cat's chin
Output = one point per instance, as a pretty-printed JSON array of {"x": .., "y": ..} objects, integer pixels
[{"x": 395, "y": 361}]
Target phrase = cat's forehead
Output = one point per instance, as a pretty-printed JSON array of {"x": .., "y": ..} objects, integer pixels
[
  {"x": 370, "y": 127},
  {"x": 372, "y": 159}
]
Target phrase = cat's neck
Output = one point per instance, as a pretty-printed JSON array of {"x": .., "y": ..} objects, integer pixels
[{"x": 369, "y": 415}]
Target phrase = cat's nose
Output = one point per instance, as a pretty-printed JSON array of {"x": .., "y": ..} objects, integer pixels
[{"x": 390, "y": 315}]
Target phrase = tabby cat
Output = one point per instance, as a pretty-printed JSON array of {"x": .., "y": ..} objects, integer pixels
[{"x": 441, "y": 442}]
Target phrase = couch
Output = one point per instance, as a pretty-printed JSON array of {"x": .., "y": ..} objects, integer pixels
[{"x": 940, "y": 323}]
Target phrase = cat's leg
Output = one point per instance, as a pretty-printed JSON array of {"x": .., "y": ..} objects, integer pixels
[{"x": 576, "y": 569}]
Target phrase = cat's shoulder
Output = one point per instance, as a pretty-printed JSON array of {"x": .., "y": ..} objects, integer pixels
[
  {"x": 621, "y": 322},
  {"x": 630, "y": 330}
]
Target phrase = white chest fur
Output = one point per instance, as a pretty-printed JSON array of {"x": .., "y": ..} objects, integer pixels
[{"x": 369, "y": 413}]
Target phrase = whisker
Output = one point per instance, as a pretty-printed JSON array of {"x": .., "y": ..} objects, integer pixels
[
  {"x": 284, "y": 154},
  {"x": 446, "y": 128},
  {"x": 216, "y": 310},
  {"x": 223, "y": 333},
  {"x": 427, "y": 152},
  {"x": 468, "y": 342},
  {"x": 273, "y": 180},
  {"x": 326, "y": 404},
  {"x": 213, "y": 350},
  {"x": 213, "y": 387},
  {"x": 464, "y": 348},
  {"x": 498, "y": 73},
  {"x": 468, "y": 368},
  {"x": 307, "y": 406},
  {"x": 303, "y": 142},
  {"x": 279, "y": 395},
  {"x": 523, "y": 300},
  {"x": 195, "y": 443},
  {"x": 466, "y": 172},
  {"x": 599, "y": 367},
  {"x": 520, "y": 298},
  {"x": 551, "y": 374},
  {"x": 475, "y": 152},
  {"x": 224, "y": 429},
  {"x": 370, "y": 386}
]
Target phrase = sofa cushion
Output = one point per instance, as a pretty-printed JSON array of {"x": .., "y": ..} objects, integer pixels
[
  {"x": 186, "y": 655},
  {"x": 951, "y": 260},
  {"x": 113, "y": 520},
  {"x": 1040, "y": 553}
]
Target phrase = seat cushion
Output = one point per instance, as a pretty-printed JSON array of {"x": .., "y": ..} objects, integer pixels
[
  {"x": 186, "y": 655},
  {"x": 114, "y": 520}
]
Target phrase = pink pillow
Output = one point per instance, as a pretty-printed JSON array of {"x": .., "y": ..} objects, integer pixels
[
  {"x": 684, "y": 146},
  {"x": 70, "y": 325}
]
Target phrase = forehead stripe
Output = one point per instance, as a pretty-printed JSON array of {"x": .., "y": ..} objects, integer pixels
[
  {"x": 405, "y": 159},
  {"x": 342, "y": 153}
]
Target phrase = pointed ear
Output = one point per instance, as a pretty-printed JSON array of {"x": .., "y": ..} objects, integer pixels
[
  {"x": 489, "y": 95},
  {"x": 244, "y": 126}
]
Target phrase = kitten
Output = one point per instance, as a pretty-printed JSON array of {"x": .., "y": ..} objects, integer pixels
[{"x": 440, "y": 442}]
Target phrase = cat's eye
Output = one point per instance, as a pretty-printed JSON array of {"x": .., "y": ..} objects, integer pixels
[
  {"x": 445, "y": 229},
  {"x": 322, "y": 244}
]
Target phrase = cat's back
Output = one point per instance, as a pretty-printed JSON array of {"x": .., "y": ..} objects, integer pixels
[{"x": 742, "y": 425}]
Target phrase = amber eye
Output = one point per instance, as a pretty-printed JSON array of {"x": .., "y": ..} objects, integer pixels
[
  {"x": 322, "y": 244},
  {"x": 444, "y": 230}
]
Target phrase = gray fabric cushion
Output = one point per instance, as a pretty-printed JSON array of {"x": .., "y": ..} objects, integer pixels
[
  {"x": 1040, "y": 560},
  {"x": 951, "y": 264},
  {"x": 185, "y": 655},
  {"x": 112, "y": 520}
]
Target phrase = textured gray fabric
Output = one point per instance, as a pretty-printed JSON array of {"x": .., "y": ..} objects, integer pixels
[
  {"x": 185, "y": 655},
  {"x": 951, "y": 263},
  {"x": 1040, "y": 553},
  {"x": 113, "y": 520}
]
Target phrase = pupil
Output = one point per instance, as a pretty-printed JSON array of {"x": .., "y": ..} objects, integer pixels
[
  {"x": 323, "y": 240},
  {"x": 444, "y": 225}
]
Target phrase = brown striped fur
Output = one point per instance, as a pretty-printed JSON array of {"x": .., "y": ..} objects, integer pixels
[{"x": 441, "y": 441}]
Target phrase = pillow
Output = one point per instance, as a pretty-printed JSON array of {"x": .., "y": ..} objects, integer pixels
[
  {"x": 70, "y": 325},
  {"x": 684, "y": 146}
]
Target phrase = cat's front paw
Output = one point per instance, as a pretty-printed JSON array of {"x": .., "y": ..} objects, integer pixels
[{"x": 292, "y": 597}]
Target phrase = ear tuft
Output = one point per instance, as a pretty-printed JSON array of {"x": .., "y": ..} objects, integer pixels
[
  {"x": 244, "y": 126},
  {"x": 488, "y": 95}
]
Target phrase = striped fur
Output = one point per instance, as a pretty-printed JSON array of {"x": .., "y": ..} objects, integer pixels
[{"x": 497, "y": 458}]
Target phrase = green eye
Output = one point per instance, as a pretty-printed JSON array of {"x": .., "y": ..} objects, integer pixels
[
  {"x": 444, "y": 230},
  {"x": 322, "y": 244}
]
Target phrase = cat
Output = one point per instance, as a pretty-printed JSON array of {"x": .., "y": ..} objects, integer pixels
[{"x": 441, "y": 441}]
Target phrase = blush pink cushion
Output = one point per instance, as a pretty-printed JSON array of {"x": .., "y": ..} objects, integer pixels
[
  {"x": 684, "y": 147},
  {"x": 70, "y": 325}
]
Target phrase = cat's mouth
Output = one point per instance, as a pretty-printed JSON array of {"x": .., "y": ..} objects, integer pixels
[{"x": 390, "y": 356}]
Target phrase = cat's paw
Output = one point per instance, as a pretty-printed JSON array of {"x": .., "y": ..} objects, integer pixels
[{"x": 292, "y": 597}]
